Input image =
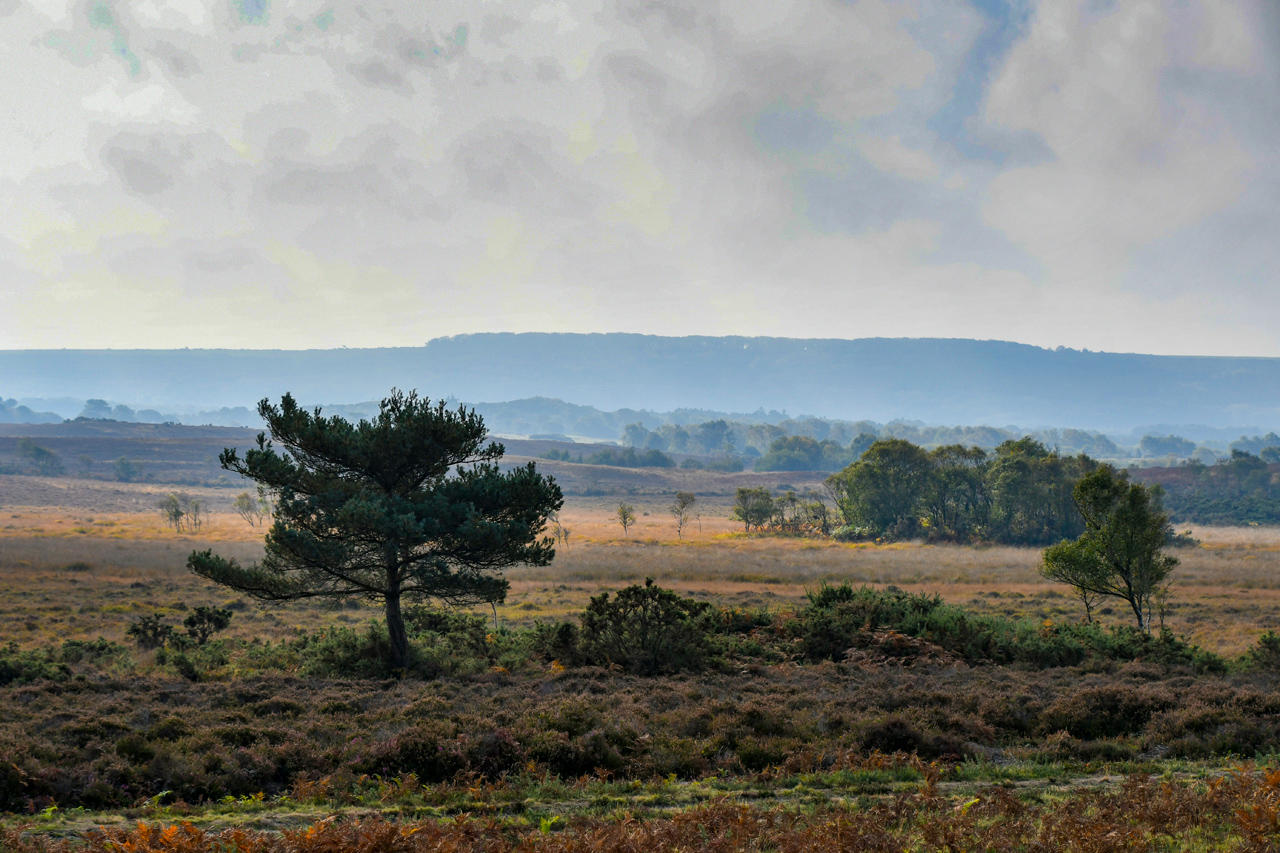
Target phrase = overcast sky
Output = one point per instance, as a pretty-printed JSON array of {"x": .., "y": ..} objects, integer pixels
[{"x": 260, "y": 173}]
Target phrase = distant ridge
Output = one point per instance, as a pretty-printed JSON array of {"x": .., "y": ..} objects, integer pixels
[{"x": 956, "y": 381}]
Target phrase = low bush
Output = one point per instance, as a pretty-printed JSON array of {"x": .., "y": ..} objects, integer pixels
[
  {"x": 646, "y": 630},
  {"x": 556, "y": 641},
  {"x": 203, "y": 622},
  {"x": 840, "y": 618},
  {"x": 150, "y": 631},
  {"x": 1101, "y": 712},
  {"x": 340, "y": 652},
  {"x": 1265, "y": 654},
  {"x": 24, "y": 666}
]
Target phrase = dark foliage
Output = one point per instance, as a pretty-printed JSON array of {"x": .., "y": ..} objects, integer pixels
[
  {"x": 1244, "y": 489},
  {"x": 646, "y": 629},
  {"x": 629, "y": 457},
  {"x": 410, "y": 504},
  {"x": 1020, "y": 495},
  {"x": 841, "y": 618}
]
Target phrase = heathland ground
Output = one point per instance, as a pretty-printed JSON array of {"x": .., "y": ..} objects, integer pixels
[{"x": 770, "y": 752}]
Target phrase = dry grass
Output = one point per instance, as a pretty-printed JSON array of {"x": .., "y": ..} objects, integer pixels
[{"x": 1226, "y": 590}]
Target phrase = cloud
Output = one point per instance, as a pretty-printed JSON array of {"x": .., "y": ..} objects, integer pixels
[
  {"x": 1133, "y": 105},
  {"x": 817, "y": 168}
]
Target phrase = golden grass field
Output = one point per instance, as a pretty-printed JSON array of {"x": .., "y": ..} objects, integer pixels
[{"x": 81, "y": 559}]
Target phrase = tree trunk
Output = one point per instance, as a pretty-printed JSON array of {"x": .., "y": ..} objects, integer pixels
[
  {"x": 395, "y": 630},
  {"x": 1137, "y": 611}
]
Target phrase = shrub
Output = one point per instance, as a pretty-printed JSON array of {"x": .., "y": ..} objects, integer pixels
[
  {"x": 850, "y": 533},
  {"x": 896, "y": 734},
  {"x": 150, "y": 632},
  {"x": 339, "y": 652},
  {"x": 204, "y": 622},
  {"x": 97, "y": 651},
  {"x": 556, "y": 641},
  {"x": 1099, "y": 712},
  {"x": 432, "y": 620},
  {"x": 20, "y": 667},
  {"x": 840, "y": 618},
  {"x": 647, "y": 630},
  {"x": 1266, "y": 654}
]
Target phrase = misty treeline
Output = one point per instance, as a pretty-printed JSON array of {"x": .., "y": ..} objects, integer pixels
[
  {"x": 1243, "y": 489},
  {"x": 819, "y": 444},
  {"x": 96, "y": 409},
  {"x": 13, "y": 412},
  {"x": 1018, "y": 494}
]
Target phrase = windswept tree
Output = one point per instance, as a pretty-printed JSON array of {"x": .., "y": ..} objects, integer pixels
[
  {"x": 407, "y": 505},
  {"x": 1120, "y": 553}
]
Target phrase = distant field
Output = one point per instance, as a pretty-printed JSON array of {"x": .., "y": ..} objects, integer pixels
[
  {"x": 187, "y": 456},
  {"x": 126, "y": 561}
]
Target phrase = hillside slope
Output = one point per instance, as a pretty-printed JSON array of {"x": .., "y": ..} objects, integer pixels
[{"x": 936, "y": 380}]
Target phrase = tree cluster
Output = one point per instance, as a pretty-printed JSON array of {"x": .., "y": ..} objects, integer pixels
[
  {"x": 1243, "y": 489},
  {"x": 182, "y": 511},
  {"x": 801, "y": 453},
  {"x": 841, "y": 442},
  {"x": 1020, "y": 494},
  {"x": 789, "y": 514}
]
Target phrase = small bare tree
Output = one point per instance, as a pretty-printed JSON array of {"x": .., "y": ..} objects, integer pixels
[
  {"x": 249, "y": 508},
  {"x": 182, "y": 511},
  {"x": 680, "y": 509},
  {"x": 171, "y": 510},
  {"x": 626, "y": 516},
  {"x": 558, "y": 530}
]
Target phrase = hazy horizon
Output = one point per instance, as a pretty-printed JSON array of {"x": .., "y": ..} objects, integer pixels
[
  {"x": 1059, "y": 347},
  {"x": 957, "y": 381}
]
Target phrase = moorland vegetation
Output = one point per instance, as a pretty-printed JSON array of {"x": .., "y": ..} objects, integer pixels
[{"x": 873, "y": 716}]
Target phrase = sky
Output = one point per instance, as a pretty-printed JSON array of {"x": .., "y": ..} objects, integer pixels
[{"x": 270, "y": 174}]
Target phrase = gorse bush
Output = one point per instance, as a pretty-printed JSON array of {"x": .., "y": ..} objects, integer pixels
[
  {"x": 23, "y": 666},
  {"x": 341, "y": 652},
  {"x": 1266, "y": 653},
  {"x": 556, "y": 641},
  {"x": 26, "y": 665},
  {"x": 647, "y": 630},
  {"x": 441, "y": 643},
  {"x": 204, "y": 622},
  {"x": 152, "y": 632}
]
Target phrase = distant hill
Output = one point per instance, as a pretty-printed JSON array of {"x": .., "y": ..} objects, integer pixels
[{"x": 932, "y": 380}]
